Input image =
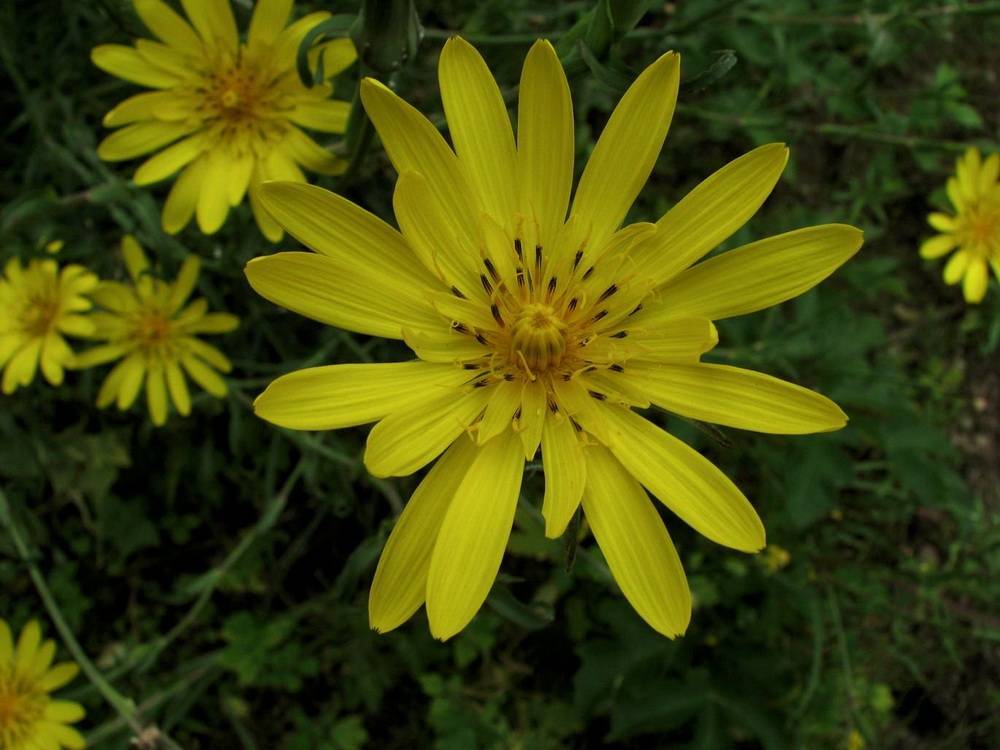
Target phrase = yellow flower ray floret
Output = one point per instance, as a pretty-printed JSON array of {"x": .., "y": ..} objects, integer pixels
[
  {"x": 29, "y": 717},
  {"x": 972, "y": 234},
  {"x": 539, "y": 321},
  {"x": 226, "y": 114},
  {"x": 152, "y": 328}
]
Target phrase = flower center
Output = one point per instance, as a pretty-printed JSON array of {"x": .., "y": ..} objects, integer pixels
[
  {"x": 537, "y": 338},
  {"x": 39, "y": 315},
  {"x": 983, "y": 228},
  {"x": 240, "y": 98},
  {"x": 20, "y": 708},
  {"x": 153, "y": 331}
]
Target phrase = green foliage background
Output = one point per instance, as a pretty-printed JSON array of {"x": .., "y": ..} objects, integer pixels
[{"x": 216, "y": 570}]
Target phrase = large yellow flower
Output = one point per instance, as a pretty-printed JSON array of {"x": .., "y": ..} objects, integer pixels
[
  {"x": 534, "y": 328},
  {"x": 231, "y": 110},
  {"x": 150, "y": 328},
  {"x": 29, "y": 718},
  {"x": 974, "y": 231},
  {"x": 38, "y": 305}
]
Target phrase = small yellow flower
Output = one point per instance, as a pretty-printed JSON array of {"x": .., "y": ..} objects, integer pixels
[
  {"x": 538, "y": 321},
  {"x": 855, "y": 741},
  {"x": 149, "y": 327},
  {"x": 974, "y": 231},
  {"x": 774, "y": 558},
  {"x": 29, "y": 718},
  {"x": 38, "y": 305},
  {"x": 227, "y": 113}
]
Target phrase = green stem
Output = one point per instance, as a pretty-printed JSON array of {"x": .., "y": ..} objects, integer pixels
[{"x": 124, "y": 706}]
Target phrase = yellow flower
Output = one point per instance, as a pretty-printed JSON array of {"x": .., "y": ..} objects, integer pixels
[
  {"x": 855, "y": 741},
  {"x": 230, "y": 111},
  {"x": 533, "y": 329},
  {"x": 775, "y": 558},
  {"x": 149, "y": 327},
  {"x": 29, "y": 717},
  {"x": 38, "y": 305},
  {"x": 974, "y": 230}
]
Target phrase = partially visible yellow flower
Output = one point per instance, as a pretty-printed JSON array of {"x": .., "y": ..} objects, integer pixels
[
  {"x": 29, "y": 718},
  {"x": 538, "y": 321},
  {"x": 974, "y": 231},
  {"x": 54, "y": 246},
  {"x": 38, "y": 305},
  {"x": 232, "y": 110},
  {"x": 774, "y": 558},
  {"x": 147, "y": 325},
  {"x": 855, "y": 741}
]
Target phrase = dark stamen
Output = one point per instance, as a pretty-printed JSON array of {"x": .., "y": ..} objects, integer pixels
[
  {"x": 520, "y": 276},
  {"x": 577, "y": 259},
  {"x": 481, "y": 339},
  {"x": 553, "y": 407},
  {"x": 481, "y": 383},
  {"x": 587, "y": 274},
  {"x": 538, "y": 255},
  {"x": 491, "y": 268},
  {"x": 598, "y": 396},
  {"x": 508, "y": 376},
  {"x": 457, "y": 292},
  {"x": 608, "y": 292},
  {"x": 460, "y": 327},
  {"x": 496, "y": 314},
  {"x": 517, "y": 414},
  {"x": 572, "y": 304},
  {"x": 517, "y": 249},
  {"x": 637, "y": 309},
  {"x": 599, "y": 315},
  {"x": 575, "y": 424},
  {"x": 471, "y": 366},
  {"x": 616, "y": 368},
  {"x": 552, "y": 285},
  {"x": 486, "y": 283},
  {"x": 619, "y": 335}
]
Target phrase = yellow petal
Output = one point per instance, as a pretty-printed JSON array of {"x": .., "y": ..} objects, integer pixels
[
  {"x": 305, "y": 151},
  {"x": 146, "y": 106},
  {"x": 627, "y": 149},
  {"x": 214, "y": 21},
  {"x": 942, "y": 222},
  {"x": 268, "y": 20},
  {"x": 545, "y": 140},
  {"x": 431, "y": 237},
  {"x": 183, "y": 198},
  {"x": 58, "y": 676},
  {"x": 99, "y": 355},
  {"x": 327, "y": 115},
  {"x": 287, "y": 43},
  {"x": 505, "y": 400},
  {"x": 977, "y": 278},
  {"x": 954, "y": 269},
  {"x": 738, "y": 398},
  {"x": 156, "y": 395},
  {"x": 683, "y": 480},
  {"x": 141, "y": 138},
  {"x": 755, "y": 276},
  {"x": 27, "y": 648},
  {"x": 335, "y": 396},
  {"x": 6, "y": 642},
  {"x": 955, "y": 194},
  {"x": 214, "y": 323},
  {"x": 349, "y": 295},
  {"x": 64, "y": 712},
  {"x": 183, "y": 285},
  {"x": 406, "y": 440},
  {"x": 565, "y": 473},
  {"x": 205, "y": 376},
  {"x": 531, "y": 420},
  {"x": 989, "y": 173},
  {"x": 473, "y": 537},
  {"x": 401, "y": 577},
  {"x": 415, "y": 145},
  {"x": 337, "y": 56},
  {"x": 135, "y": 258},
  {"x": 177, "y": 388},
  {"x": 937, "y": 246},
  {"x": 480, "y": 127},
  {"x": 126, "y": 62},
  {"x": 679, "y": 340},
  {"x": 55, "y": 354},
  {"x": 636, "y": 545},
  {"x": 444, "y": 345},
  {"x": 711, "y": 212},
  {"x": 131, "y": 381},
  {"x": 213, "y": 199},
  {"x": 22, "y": 366},
  {"x": 167, "y": 25},
  {"x": 170, "y": 160},
  {"x": 65, "y": 736},
  {"x": 108, "y": 392},
  {"x": 333, "y": 226}
]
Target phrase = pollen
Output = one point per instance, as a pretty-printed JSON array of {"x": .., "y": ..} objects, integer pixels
[{"x": 538, "y": 338}]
